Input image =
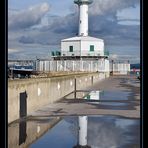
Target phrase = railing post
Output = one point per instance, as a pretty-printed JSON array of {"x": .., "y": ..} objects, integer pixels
[
  {"x": 92, "y": 80},
  {"x": 75, "y": 88},
  {"x": 112, "y": 66}
]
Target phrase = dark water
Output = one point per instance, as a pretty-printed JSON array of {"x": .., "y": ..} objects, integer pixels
[{"x": 102, "y": 132}]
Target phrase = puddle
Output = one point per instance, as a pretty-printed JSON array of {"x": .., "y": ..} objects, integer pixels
[
  {"x": 115, "y": 100},
  {"x": 115, "y": 95},
  {"x": 99, "y": 95},
  {"x": 67, "y": 132}
]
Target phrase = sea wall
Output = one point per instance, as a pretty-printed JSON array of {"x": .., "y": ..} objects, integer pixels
[{"x": 28, "y": 95}]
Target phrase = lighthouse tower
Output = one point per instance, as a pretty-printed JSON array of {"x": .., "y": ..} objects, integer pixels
[
  {"x": 83, "y": 16},
  {"x": 83, "y": 45}
]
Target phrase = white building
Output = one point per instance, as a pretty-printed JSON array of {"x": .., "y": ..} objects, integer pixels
[{"x": 82, "y": 46}]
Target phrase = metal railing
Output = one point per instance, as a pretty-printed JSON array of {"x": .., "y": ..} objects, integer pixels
[{"x": 80, "y": 53}]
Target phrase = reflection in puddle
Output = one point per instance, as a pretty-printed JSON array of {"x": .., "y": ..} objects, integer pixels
[
  {"x": 22, "y": 132},
  {"x": 114, "y": 100},
  {"x": 83, "y": 121},
  {"x": 100, "y": 98},
  {"x": 93, "y": 131},
  {"x": 108, "y": 95},
  {"x": 99, "y": 95},
  {"x": 115, "y": 95},
  {"x": 72, "y": 132},
  {"x": 93, "y": 95}
]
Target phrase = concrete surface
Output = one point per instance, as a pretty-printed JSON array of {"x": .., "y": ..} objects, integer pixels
[{"x": 128, "y": 86}]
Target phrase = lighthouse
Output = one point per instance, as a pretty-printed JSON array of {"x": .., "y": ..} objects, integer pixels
[
  {"x": 83, "y": 16},
  {"x": 83, "y": 45},
  {"x": 82, "y": 52}
]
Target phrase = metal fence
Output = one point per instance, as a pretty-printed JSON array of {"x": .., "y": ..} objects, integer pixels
[
  {"x": 73, "y": 65},
  {"x": 120, "y": 68}
]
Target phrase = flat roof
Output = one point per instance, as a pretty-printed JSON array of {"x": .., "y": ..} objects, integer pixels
[{"x": 82, "y": 38}]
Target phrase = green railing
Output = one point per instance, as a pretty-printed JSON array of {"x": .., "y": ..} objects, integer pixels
[
  {"x": 55, "y": 53},
  {"x": 83, "y": 1},
  {"x": 58, "y": 53}
]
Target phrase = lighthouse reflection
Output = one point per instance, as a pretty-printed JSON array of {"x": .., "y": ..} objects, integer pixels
[
  {"x": 107, "y": 131},
  {"x": 82, "y": 132},
  {"x": 95, "y": 131}
]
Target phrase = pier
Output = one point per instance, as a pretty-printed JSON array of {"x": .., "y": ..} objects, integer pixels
[
  {"x": 79, "y": 96},
  {"x": 105, "y": 98}
]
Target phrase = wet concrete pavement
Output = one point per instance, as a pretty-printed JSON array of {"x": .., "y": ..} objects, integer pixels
[
  {"x": 113, "y": 110},
  {"x": 121, "y": 96}
]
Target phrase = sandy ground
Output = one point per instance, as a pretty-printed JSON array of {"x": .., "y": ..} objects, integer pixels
[{"x": 128, "y": 85}]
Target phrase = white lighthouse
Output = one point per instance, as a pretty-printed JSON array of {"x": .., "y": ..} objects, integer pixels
[
  {"x": 82, "y": 45},
  {"x": 83, "y": 16},
  {"x": 82, "y": 52}
]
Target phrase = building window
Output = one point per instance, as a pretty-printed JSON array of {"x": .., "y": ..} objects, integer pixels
[
  {"x": 70, "y": 48},
  {"x": 91, "y": 47}
]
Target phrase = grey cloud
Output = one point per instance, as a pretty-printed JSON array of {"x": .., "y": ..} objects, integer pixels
[
  {"x": 68, "y": 24},
  {"x": 102, "y": 21},
  {"x": 26, "y": 40},
  {"x": 27, "y": 18},
  {"x": 135, "y": 20},
  {"x": 102, "y": 7}
]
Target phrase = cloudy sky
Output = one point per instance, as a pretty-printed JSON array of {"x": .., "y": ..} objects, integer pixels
[{"x": 35, "y": 27}]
